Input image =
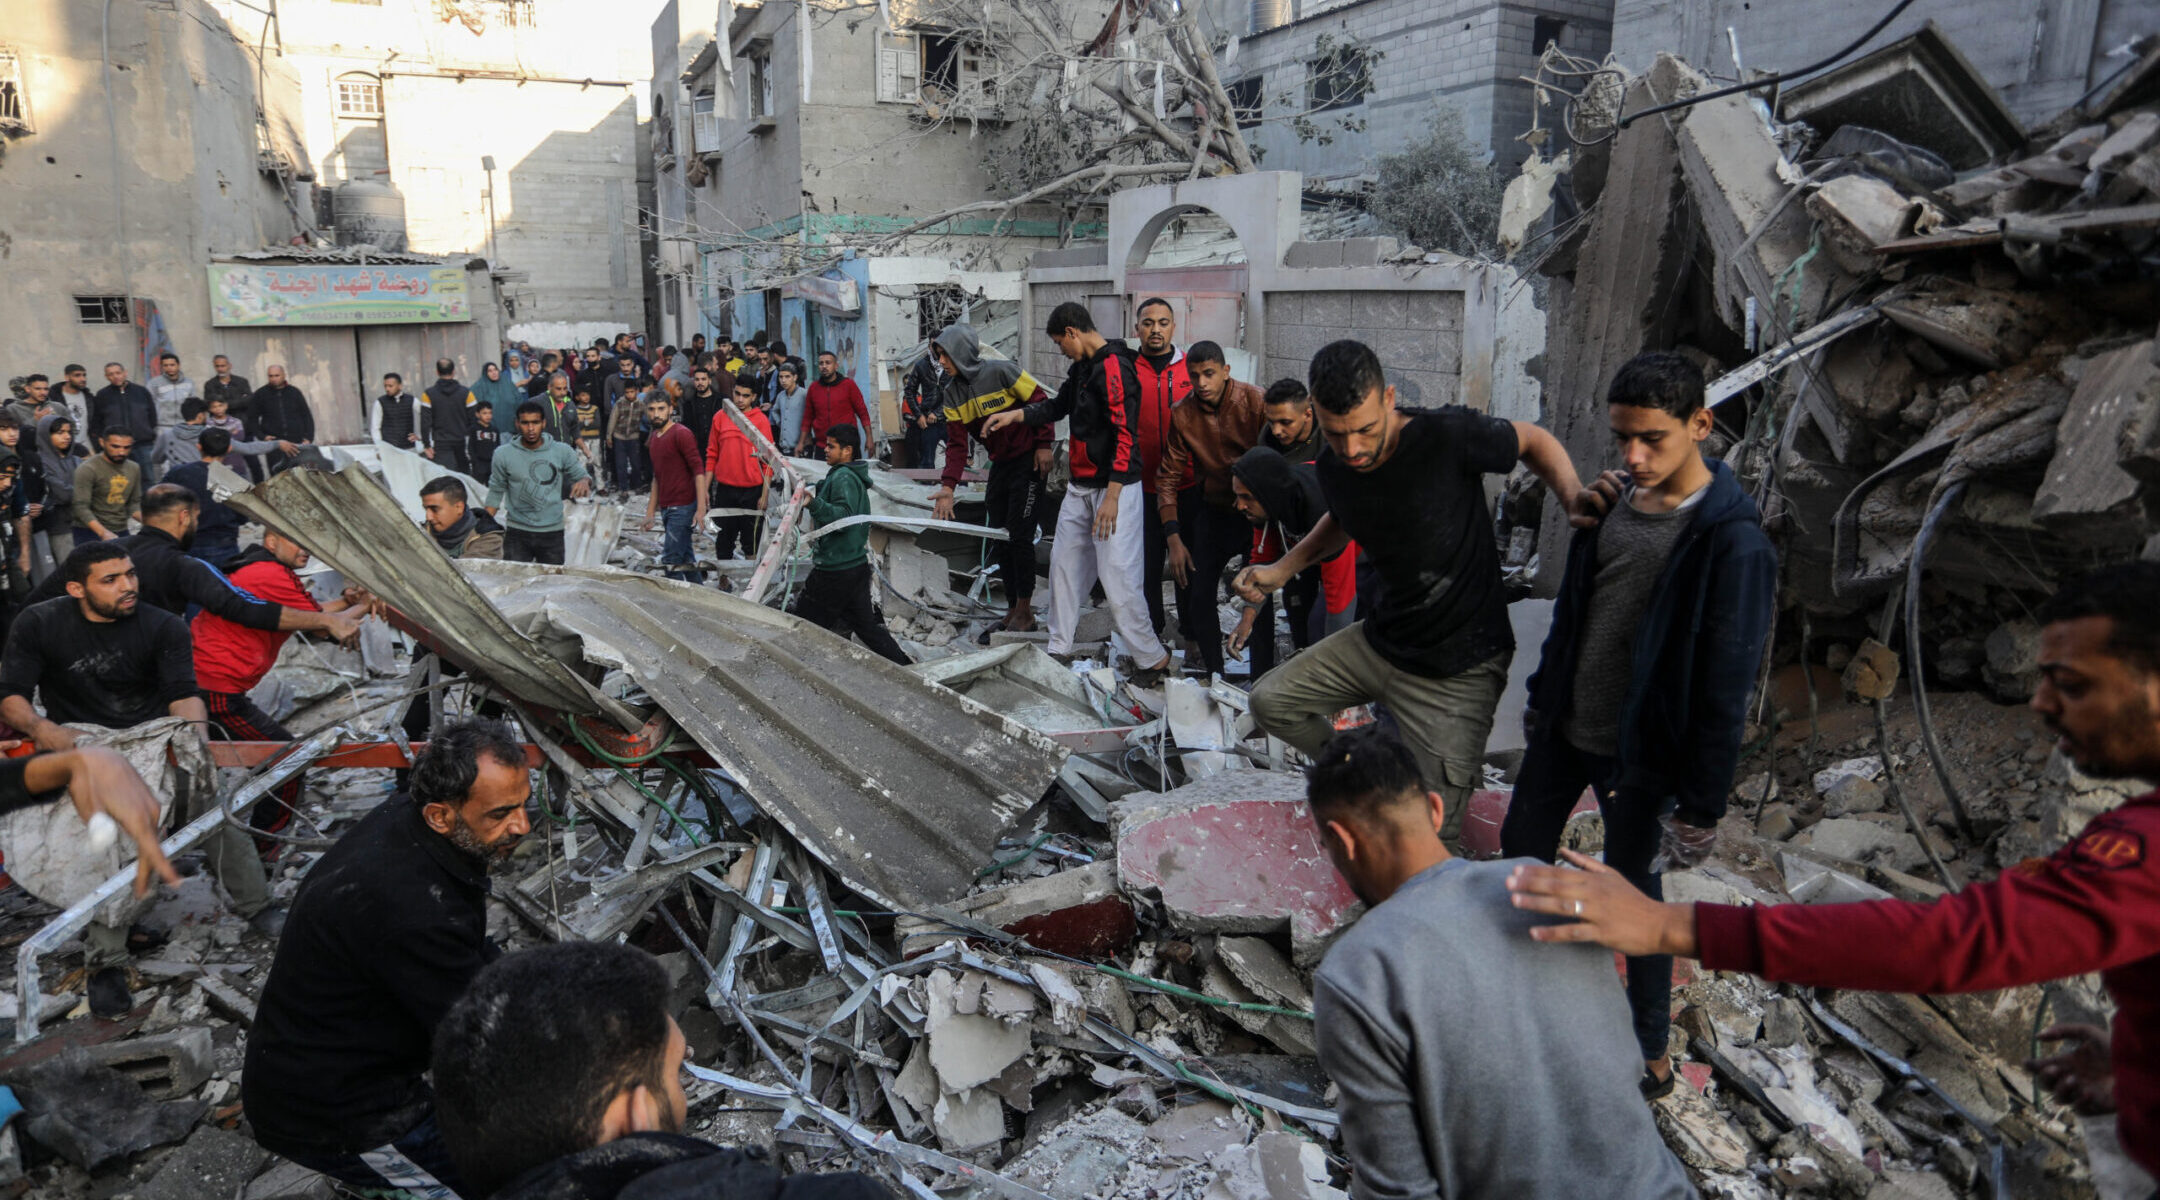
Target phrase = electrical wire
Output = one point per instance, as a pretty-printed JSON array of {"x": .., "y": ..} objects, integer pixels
[{"x": 1771, "y": 80}]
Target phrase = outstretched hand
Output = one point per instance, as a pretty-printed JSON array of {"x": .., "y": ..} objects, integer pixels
[
  {"x": 2081, "y": 1076},
  {"x": 1608, "y": 910}
]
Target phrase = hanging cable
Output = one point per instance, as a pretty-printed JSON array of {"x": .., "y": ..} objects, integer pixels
[{"x": 1771, "y": 80}]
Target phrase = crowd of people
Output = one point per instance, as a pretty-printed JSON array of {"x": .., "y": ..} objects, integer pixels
[{"x": 392, "y": 1038}]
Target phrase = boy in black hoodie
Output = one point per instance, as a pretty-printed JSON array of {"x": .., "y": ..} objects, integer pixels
[
  {"x": 1100, "y": 532},
  {"x": 1282, "y": 501},
  {"x": 1643, "y": 687},
  {"x": 446, "y": 418}
]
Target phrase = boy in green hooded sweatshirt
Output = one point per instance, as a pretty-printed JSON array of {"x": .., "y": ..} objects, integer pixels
[{"x": 837, "y": 594}]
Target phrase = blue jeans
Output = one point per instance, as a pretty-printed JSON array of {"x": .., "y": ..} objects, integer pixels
[
  {"x": 679, "y": 554},
  {"x": 417, "y": 1164},
  {"x": 1554, "y": 774}
]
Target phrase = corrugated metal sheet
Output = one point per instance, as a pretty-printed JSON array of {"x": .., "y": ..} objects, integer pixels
[
  {"x": 902, "y": 787},
  {"x": 347, "y": 520}
]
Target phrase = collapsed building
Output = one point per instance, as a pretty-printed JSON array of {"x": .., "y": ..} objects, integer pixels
[{"x": 989, "y": 926}]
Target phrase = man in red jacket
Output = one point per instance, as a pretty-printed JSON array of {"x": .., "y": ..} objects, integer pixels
[
  {"x": 834, "y": 400},
  {"x": 1165, "y": 381},
  {"x": 735, "y": 477},
  {"x": 2093, "y": 905},
  {"x": 231, "y": 658}
]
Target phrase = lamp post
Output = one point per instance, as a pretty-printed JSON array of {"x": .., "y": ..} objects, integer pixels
[{"x": 487, "y": 163}]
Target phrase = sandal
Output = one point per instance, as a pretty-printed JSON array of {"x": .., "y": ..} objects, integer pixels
[{"x": 1655, "y": 1089}]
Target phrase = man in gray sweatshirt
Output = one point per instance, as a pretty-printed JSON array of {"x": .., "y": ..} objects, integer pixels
[{"x": 1471, "y": 1060}]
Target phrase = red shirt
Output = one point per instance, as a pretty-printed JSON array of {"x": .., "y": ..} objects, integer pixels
[
  {"x": 2093, "y": 905},
  {"x": 730, "y": 458},
  {"x": 833, "y": 404},
  {"x": 232, "y": 658},
  {"x": 1160, "y": 391},
  {"x": 675, "y": 466},
  {"x": 1338, "y": 575}
]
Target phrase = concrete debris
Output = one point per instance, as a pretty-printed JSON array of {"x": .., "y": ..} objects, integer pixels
[{"x": 1234, "y": 854}]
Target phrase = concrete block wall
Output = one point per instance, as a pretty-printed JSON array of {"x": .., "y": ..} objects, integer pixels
[
  {"x": 1418, "y": 336},
  {"x": 1458, "y": 53},
  {"x": 1042, "y": 358}
]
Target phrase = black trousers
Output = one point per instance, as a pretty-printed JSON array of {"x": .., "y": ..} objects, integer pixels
[
  {"x": 1014, "y": 497},
  {"x": 838, "y": 599},
  {"x": 450, "y": 456},
  {"x": 1151, "y": 558},
  {"x": 731, "y": 532},
  {"x": 1554, "y": 774},
  {"x": 525, "y": 545},
  {"x": 1301, "y": 598},
  {"x": 1212, "y": 536}
]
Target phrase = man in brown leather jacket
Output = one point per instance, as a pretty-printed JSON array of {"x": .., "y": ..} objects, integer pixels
[{"x": 1220, "y": 421}]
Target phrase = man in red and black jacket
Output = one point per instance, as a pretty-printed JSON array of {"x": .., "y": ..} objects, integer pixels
[
  {"x": 2094, "y": 905},
  {"x": 231, "y": 658},
  {"x": 1165, "y": 382},
  {"x": 1100, "y": 524}
]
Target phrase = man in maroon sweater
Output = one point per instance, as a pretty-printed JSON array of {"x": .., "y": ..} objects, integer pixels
[
  {"x": 2094, "y": 905},
  {"x": 834, "y": 400}
]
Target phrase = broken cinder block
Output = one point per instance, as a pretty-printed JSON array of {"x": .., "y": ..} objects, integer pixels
[{"x": 166, "y": 1065}]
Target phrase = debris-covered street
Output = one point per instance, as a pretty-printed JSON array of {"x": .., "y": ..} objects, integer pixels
[{"x": 663, "y": 765}]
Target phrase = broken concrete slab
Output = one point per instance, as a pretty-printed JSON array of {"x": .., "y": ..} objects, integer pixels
[
  {"x": 1859, "y": 213},
  {"x": 1083, "y": 1158},
  {"x": 166, "y": 1065},
  {"x": 1294, "y": 1035},
  {"x": 2083, "y": 478},
  {"x": 967, "y": 1050},
  {"x": 1276, "y": 1166},
  {"x": 1236, "y": 853},
  {"x": 213, "y": 1162},
  {"x": 1919, "y": 89},
  {"x": 969, "y": 1120},
  {"x": 1079, "y": 912},
  {"x": 1698, "y": 1133},
  {"x": 1860, "y": 841},
  {"x": 1199, "y": 1131}
]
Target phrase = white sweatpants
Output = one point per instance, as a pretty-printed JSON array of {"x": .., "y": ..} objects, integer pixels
[{"x": 1077, "y": 559}]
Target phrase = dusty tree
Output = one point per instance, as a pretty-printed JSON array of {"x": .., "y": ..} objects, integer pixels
[{"x": 1442, "y": 192}]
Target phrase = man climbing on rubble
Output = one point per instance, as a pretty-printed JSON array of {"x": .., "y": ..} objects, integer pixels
[
  {"x": 231, "y": 658},
  {"x": 98, "y": 656},
  {"x": 1642, "y": 691},
  {"x": 1281, "y": 500},
  {"x": 525, "y": 488},
  {"x": 575, "y": 1038},
  {"x": 1219, "y": 421},
  {"x": 2093, "y": 905},
  {"x": 1020, "y": 458},
  {"x": 385, "y": 933},
  {"x": 1409, "y": 488},
  {"x": 1101, "y": 525},
  {"x": 176, "y": 581},
  {"x": 836, "y": 596},
  {"x": 1468, "y": 1066}
]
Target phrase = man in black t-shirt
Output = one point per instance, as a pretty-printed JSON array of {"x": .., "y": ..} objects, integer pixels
[
  {"x": 1409, "y": 488},
  {"x": 98, "y": 656}
]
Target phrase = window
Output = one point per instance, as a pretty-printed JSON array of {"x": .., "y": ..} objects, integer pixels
[
  {"x": 14, "y": 104},
  {"x": 1545, "y": 31},
  {"x": 514, "y": 13},
  {"x": 359, "y": 97},
  {"x": 101, "y": 310},
  {"x": 936, "y": 306},
  {"x": 899, "y": 68},
  {"x": 1245, "y": 101},
  {"x": 704, "y": 124},
  {"x": 761, "y": 88},
  {"x": 1338, "y": 79}
]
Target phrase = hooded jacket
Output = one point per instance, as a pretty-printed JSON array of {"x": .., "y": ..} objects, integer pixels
[
  {"x": 1100, "y": 394},
  {"x": 179, "y": 445},
  {"x": 844, "y": 493},
  {"x": 1201, "y": 445},
  {"x": 1696, "y": 653},
  {"x": 57, "y": 475},
  {"x": 979, "y": 387},
  {"x": 446, "y": 412},
  {"x": 1161, "y": 391},
  {"x": 670, "y": 1166},
  {"x": 1290, "y": 491}
]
